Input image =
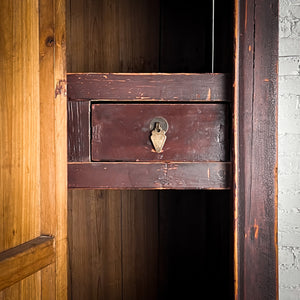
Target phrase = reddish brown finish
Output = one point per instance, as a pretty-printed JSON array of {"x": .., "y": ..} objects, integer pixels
[
  {"x": 255, "y": 140},
  {"x": 141, "y": 175},
  {"x": 197, "y": 132},
  {"x": 78, "y": 131},
  {"x": 150, "y": 87}
]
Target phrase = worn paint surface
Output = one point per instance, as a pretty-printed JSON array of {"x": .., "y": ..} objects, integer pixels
[{"x": 289, "y": 145}]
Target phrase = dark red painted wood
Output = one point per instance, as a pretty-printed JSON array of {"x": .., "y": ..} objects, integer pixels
[
  {"x": 141, "y": 175},
  {"x": 78, "y": 131},
  {"x": 256, "y": 150},
  {"x": 150, "y": 87},
  {"x": 197, "y": 132}
]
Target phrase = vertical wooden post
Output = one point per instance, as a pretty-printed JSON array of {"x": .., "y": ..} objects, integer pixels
[{"x": 255, "y": 149}]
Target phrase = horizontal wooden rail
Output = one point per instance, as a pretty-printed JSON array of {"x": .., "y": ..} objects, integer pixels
[
  {"x": 26, "y": 259},
  {"x": 150, "y": 87},
  {"x": 150, "y": 175}
]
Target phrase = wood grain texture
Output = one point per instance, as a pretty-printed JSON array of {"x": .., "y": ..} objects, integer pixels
[
  {"x": 255, "y": 143},
  {"x": 19, "y": 124},
  {"x": 79, "y": 131},
  {"x": 95, "y": 243},
  {"x": 19, "y": 135},
  {"x": 121, "y": 132},
  {"x": 25, "y": 259},
  {"x": 150, "y": 87},
  {"x": 140, "y": 244},
  {"x": 60, "y": 158},
  {"x": 53, "y": 143},
  {"x": 179, "y": 175},
  {"x": 113, "y": 36},
  {"x": 28, "y": 288}
]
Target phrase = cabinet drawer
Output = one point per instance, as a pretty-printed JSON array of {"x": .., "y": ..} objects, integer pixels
[{"x": 196, "y": 132}]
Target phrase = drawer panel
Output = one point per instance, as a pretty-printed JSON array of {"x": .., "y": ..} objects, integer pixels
[{"x": 196, "y": 132}]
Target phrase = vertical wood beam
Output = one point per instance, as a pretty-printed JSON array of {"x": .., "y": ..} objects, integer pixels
[
  {"x": 255, "y": 149},
  {"x": 54, "y": 142}
]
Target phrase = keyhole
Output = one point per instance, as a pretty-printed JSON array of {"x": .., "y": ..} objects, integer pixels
[{"x": 157, "y": 126}]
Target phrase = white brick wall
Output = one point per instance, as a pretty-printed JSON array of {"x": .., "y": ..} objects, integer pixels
[{"x": 289, "y": 150}]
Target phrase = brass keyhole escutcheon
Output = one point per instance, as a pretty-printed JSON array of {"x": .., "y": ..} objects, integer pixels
[{"x": 159, "y": 127}]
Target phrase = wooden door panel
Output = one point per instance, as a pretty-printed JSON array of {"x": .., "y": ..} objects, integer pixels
[
  {"x": 19, "y": 121},
  {"x": 27, "y": 240}
]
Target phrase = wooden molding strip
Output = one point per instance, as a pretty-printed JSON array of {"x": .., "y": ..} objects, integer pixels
[
  {"x": 28, "y": 258},
  {"x": 150, "y": 87},
  {"x": 150, "y": 175}
]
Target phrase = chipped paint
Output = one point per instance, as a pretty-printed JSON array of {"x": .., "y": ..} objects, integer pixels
[{"x": 209, "y": 95}]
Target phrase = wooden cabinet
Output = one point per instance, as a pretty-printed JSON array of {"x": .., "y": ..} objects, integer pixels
[
  {"x": 166, "y": 243},
  {"x": 198, "y": 218}
]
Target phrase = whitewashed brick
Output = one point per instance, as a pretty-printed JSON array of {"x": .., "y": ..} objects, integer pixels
[
  {"x": 289, "y": 294},
  {"x": 289, "y": 85},
  {"x": 288, "y": 144},
  {"x": 289, "y": 46},
  {"x": 286, "y": 258},
  {"x": 289, "y": 65}
]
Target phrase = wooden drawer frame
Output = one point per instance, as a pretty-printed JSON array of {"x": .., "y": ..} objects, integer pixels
[{"x": 85, "y": 89}]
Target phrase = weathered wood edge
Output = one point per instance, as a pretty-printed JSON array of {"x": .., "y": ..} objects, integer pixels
[
  {"x": 145, "y": 175},
  {"x": 26, "y": 259},
  {"x": 149, "y": 87},
  {"x": 255, "y": 157}
]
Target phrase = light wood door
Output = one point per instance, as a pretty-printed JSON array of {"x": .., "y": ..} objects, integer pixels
[{"x": 32, "y": 150}]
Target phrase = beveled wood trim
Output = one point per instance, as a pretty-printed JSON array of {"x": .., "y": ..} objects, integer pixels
[
  {"x": 150, "y": 87},
  {"x": 154, "y": 175},
  {"x": 26, "y": 259},
  {"x": 255, "y": 149}
]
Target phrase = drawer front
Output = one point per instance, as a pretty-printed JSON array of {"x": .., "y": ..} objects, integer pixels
[{"x": 196, "y": 132}]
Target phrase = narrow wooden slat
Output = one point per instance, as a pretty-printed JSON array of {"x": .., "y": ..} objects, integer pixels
[
  {"x": 25, "y": 259},
  {"x": 141, "y": 175},
  {"x": 78, "y": 131},
  {"x": 53, "y": 142},
  {"x": 60, "y": 157},
  {"x": 95, "y": 244},
  {"x": 150, "y": 87},
  {"x": 140, "y": 244},
  {"x": 121, "y": 132}
]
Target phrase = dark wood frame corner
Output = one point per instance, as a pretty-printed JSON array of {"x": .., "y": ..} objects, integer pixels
[{"x": 255, "y": 149}]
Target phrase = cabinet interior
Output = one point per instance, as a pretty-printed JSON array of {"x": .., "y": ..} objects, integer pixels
[{"x": 149, "y": 244}]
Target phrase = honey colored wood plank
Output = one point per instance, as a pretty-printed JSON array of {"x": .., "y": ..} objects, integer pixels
[
  {"x": 177, "y": 175},
  {"x": 60, "y": 158},
  {"x": 197, "y": 132},
  {"x": 53, "y": 142},
  {"x": 28, "y": 288},
  {"x": 140, "y": 244},
  {"x": 150, "y": 87},
  {"x": 95, "y": 243},
  {"x": 113, "y": 36},
  {"x": 79, "y": 131},
  {"x": 48, "y": 282},
  {"x": 19, "y": 123},
  {"x": 255, "y": 142},
  {"x": 26, "y": 259}
]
